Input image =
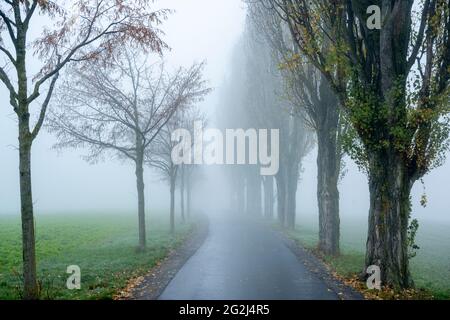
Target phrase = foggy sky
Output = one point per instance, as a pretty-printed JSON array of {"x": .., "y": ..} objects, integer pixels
[{"x": 198, "y": 30}]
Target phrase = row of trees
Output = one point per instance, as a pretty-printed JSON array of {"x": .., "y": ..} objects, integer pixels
[
  {"x": 109, "y": 99},
  {"x": 271, "y": 88},
  {"x": 129, "y": 110},
  {"x": 382, "y": 95},
  {"x": 312, "y": 100},
  {"x": 254, "y": 98}
]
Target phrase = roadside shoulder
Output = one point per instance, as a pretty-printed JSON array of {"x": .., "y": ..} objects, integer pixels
[
  {"x": 319, "y": 269},
  {"x": 150, "y": 286}
]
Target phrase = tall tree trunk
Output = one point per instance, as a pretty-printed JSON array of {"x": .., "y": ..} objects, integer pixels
[
  {"x": 268, "y": 197},
  {"x": 327, "y": 123},
  {"x": 390, "y": 208},
  {"x": 141, "y": 199},
  {"x": 281, "y": 198},
  {"x": 183, "y": 218},
  {"x": 390, "y": 182},
  {"x": 291, "y": 193},
  {"x": 328, "y": 168},
  {"x": 30, "y": 286},
  {"x": 172, "y": 205}
]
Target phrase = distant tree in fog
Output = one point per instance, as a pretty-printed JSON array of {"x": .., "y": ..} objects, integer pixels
[
  {"x": 254, "y": 97},
  {"x": 268, "y": 100},
  {"x": 120, "y": 110},
  {"x": 159, "y": 156},
  {"x": 312, "y": 96},
  {"x": 189, "y": 173}
]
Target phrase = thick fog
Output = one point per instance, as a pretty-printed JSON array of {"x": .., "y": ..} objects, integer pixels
[{"x": 198, "y": 30}]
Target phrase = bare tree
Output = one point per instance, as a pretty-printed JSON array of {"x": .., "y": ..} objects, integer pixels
[
  {"x": 269, "y": 105},
  {"x": 159, "y": 156},
  {"x": 189, "y": 173},
  {"x": 121, "y": 110},
  {"x": 256, "y": 98},
  {"x": 83, "y": 30},
  {"x": 182, "y": 192},
  {"x": 193, "y": 175}
]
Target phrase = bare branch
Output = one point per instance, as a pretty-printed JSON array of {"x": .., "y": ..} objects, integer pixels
[{"x": 96, "y": 107}]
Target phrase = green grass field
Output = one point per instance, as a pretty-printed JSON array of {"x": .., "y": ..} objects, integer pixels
[
  {"x": 103, "y": 246},
  {"x": 430, "y": 268}
]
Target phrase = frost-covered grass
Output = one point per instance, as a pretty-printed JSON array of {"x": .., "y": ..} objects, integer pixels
[{"x": 103, "y": 246}]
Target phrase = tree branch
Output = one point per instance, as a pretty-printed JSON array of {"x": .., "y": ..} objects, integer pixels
[{"x": 44, "y": 106}]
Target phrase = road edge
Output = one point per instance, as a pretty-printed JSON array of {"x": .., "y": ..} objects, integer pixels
[
  {"x": 152, "y": 285},
  {"x": 319, "y": 269}
]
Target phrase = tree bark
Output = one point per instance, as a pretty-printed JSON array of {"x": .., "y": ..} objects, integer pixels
[
  {"x": 31, "y": 290},
  {"x": 141, "y": 200},
  {"x": 389, "y": 213},
  {"x": 327, "y": 126},
  {"x": 328, "y": 168},
  {"x": 172, "y": 205}
]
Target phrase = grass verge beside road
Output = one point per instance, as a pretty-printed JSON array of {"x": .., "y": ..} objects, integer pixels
[
  {"x": 430, "y": 268},
  {"x": 103, "y": 246}
]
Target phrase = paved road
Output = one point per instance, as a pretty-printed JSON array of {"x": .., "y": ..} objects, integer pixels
[{"x": 243, "y": 260}]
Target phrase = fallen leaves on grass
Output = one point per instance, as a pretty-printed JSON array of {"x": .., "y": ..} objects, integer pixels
[
  {"x": 126, "y": 293},
  {"x": 386, "y": 293}
]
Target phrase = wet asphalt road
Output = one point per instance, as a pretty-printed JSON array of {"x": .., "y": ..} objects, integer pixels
[{"x": 244, "y": 261}]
